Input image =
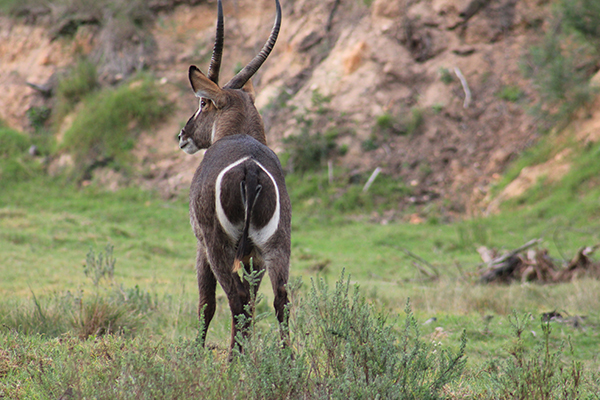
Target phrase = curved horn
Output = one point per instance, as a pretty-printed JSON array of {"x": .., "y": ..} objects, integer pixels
[
  {"x": 215, "y": 61},
  {"x": 244, "y": 75}
]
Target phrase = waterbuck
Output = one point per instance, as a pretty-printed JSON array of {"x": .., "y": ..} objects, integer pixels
[{"x": 239, "y": 206}]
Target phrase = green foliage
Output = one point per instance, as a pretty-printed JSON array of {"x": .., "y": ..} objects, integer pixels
[
  {"x": 385, "y": 121},
  {"x": 340, "y": 348},
  {"x": 237, "y": 68},
  {"x": 307, "y": 152},
  {"x": 310, "y": 148},
  {"x": 510, "y": 93},
  {"x": 15, "y": 163},
  {"x": 38, "y": 116},
  {"x": 387, "y": 124},
  {"x": 354, "y": 353},
  {"x": 278, "y": 102},
  {"x": 12, "y": 143},
  {"x": 107, "y": 126},
  {"x": 78, "y": 83},
  {"x": 110, "y": 309},
  {"x": 414, "y": 121},
  {"x": 319, "y": 102},
  {"x": 538, "y": 373},
  {"x": 313, "y": 192},
  {"x": 583, "y": 16},
  {"x": 437, "y": 108},
  {"x": 369, "y": 144},
  {"x": 561, "y": 66},
  {"x": 101, "y": 266},
  {"x": 446, "y": 76}
]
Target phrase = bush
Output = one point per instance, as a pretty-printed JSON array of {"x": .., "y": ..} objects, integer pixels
[
  {"x": 106, "y": 128},
  {"x": 355, "y": 353},
  {"x": 107, "y": 309},
  {"x": 306, "y": 152},
  {"x": 561, "y": 66},
  {"x": 583, "y": 16},
  {"x": 79, "y": 82},
  {"x": 535, "y": 374},
  {"x": 340, "y": 349}
]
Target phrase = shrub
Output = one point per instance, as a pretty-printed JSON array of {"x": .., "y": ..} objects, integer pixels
[
  {"x": 80, "y": 81},
  {"x": 561, "y": 66},
  {"x": 307, "y": 152},
  {"x": 583, "y": 16},
  {"x": 107, "y": 309},
  {"x": 38, "y": 116},
  {"x": 341, "y": 348},
  {"x": 353, "y": 352},
  {"x": 535, "y": 374},
  {"x": 108, "y": 125},
  {"x": 446, "y": 76}
]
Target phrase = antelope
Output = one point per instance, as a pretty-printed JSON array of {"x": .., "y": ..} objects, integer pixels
[{"x": 239, "y": 206}]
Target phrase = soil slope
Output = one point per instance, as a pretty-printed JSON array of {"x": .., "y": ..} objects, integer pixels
[{"x": 400, "y": 59}]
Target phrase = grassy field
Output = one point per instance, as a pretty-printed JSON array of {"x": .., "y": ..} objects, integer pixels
[
  {"x": 47, "y": 229},
  {"x": 135, "y": 325},
  {"x": 365, "y": 322}
]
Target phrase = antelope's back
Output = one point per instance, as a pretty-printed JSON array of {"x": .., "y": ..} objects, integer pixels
[{"x": 217, "y": 189}]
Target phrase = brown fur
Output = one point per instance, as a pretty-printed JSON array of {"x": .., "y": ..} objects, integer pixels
[{"x": 238, "y": 134}]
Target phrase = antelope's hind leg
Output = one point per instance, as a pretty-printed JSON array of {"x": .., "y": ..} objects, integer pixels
[
  {"x": 207, "y": 284},
  {"x": 237, "y": 292},
  {"x": 278, "y": 267}
]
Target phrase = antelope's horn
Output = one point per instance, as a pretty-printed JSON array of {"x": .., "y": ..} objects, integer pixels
[
  {"x": 245, "y": 74},
  {"x": 215, "y": 61}
]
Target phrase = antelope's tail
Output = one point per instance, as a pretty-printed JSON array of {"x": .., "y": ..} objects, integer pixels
[{"x": 250, "y": 190}]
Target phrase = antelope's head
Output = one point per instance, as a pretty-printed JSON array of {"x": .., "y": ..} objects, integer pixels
[{"x": 228, "y": 110}]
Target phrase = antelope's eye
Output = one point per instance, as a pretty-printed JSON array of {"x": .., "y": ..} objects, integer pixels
[{"x": 202, "y": 104}]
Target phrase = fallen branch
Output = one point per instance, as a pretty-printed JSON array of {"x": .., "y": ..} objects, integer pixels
[
  {"x": 516, "y": 251},
  {"x": 465, "y": 85},
  {"x": 371, "y": 179},
  {"x": 537, "y": 265},
  {"x": 500, "y": 268},
  {"x": 432, "y": 275}
]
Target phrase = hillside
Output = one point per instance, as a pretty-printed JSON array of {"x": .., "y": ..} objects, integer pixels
[{"x": 375, "y": 83}]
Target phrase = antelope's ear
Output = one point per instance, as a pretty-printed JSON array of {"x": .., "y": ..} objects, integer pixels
[
  {"x": 249, "y": 88},
  {"x": 205, "y": 88}
]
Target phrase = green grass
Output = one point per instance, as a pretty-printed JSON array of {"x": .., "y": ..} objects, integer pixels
[
  {"x": 76, "y": 85},
  {"x": 47, "y": 229},
  {"x": 106, "y": 127},
  {"x": 510, "y": 93},
  {"x": 15, "y": 163}
]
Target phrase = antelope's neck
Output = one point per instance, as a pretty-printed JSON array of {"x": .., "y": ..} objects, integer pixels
[{"x": 242, "y": 123}]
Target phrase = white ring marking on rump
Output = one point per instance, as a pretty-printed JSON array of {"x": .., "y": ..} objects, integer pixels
[
  {"x": 231, "y": 230},
  {"x": 262, "y": 235}
]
